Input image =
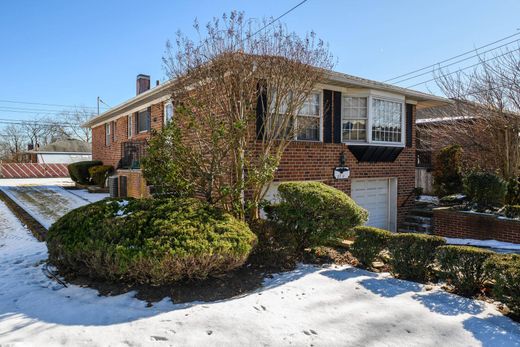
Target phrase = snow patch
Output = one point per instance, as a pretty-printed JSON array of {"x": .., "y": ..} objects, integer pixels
[{"x": 483, "y": 243}]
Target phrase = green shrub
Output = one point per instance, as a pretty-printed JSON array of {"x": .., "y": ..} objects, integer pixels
[
  {"x": 276, "y": 248},
  {"x": 369, "y": 243},
  {"x": 99, "y": 173},
  {"x": 513, "y": 191},
  {"x": 447, "y": 175},
  {"x": 412, "y": 255},
  {"x": 78, "y": 171},
  {"x": 316, "y": 213},
  {"x": 153, "y": 241},
  {"x": 485, "y": 189},
  {"x": 505, "y": 271},
  {"x": 463, "y": 267},
  {"x": 512, "y": 211}
]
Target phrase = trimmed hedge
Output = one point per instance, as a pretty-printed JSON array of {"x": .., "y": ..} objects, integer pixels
[
  {"x": 463, "y": 267},
  {"x": 369, "y": 243},
  {"x": 78, "y": 171},
  {"x": 315, "y": 212},
  {"x": 412, "y": 255},
  {"x": 155, "y": 241},
  {"x": 485, "y": 189},
  {"x": 512, "y": 211},
  {"x": 98, "y": 174},
  {"x": 505, "y": 271}
]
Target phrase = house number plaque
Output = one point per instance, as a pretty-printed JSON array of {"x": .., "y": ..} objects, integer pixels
[{"x": 341, "y": 173}]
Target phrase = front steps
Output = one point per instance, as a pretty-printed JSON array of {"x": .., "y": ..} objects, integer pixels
[{"x": 419, "y": 219}]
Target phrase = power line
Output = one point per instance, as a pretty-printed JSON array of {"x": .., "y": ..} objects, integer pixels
[
  {"x": 465, "y": 68},
  {"x": 454, "y": 57},
  {"x": 44, "y": 104},
  {"x": 456, "y": 62},
  {"x": 279, "y": 17}
]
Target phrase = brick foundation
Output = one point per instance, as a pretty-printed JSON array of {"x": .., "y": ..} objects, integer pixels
[
  {"x": 459, "y": 224},
  {"x": 136, "y": 185}
]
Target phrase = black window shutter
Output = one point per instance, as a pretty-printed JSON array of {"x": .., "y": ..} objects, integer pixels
[
  {"x": 149, "y": 119},
  {"x": 337, "y": 116},
  {"x": 261, "y": 106},
  {"x": 409, "y": 124},
  {"x": 327, "y": 116}
]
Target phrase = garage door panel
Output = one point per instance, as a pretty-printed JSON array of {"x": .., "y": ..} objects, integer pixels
[{"x": 373, "y": 196}]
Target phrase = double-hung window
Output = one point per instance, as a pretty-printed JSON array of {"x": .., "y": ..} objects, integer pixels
[
  {"x": 355, "y": 115},
  {"x": 130, "y": 126},
  {"x": 107, "y": 134},
  {"x": 306, "y": 126},
  {"x": 143, "y": 121},
  {"x": 372, "y": 119},
  {"x": 168, "y": 112},
  {"x": 308, "y": 120}
]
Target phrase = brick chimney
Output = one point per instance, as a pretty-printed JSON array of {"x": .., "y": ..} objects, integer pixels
[{"x": 142, "y": 84}]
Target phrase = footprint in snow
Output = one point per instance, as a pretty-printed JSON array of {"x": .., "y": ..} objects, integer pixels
[{"x": 158, "y": 338}]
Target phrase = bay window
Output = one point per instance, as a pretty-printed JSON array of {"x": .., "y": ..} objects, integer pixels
[
  {"x": 354, "y": 124},
  {"x": 371, "y": 119},
  {"x": 387, "y": 120}
]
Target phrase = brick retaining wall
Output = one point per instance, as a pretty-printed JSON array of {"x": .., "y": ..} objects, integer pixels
[{"x": 459, "y": 224}]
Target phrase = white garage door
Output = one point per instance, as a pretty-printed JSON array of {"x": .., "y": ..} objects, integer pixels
[{"x": 375, "y": 195}]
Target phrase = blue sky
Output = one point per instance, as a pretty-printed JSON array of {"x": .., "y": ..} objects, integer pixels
[{"x": 70, "y": 52}]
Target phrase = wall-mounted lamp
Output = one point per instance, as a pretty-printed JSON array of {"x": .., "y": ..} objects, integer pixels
[{"x": 342, "y": 159}]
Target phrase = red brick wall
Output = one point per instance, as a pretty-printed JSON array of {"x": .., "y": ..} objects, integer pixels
[
  {"x": 302, "y": 161},
  {"x": 457, "y": 224},
  {"x": 111, "y": 154},
  {"x": 135, "y": 184},
  {"x": 316, "y": 161}
]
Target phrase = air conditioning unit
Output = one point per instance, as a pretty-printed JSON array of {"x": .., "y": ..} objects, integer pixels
[
  {"x": 123, "y": 192},
  {"x": 113, "y": 186}
]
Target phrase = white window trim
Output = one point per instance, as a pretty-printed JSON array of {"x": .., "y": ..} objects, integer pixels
[
  {"x": 165, "y": 116},
  {"x": 108, "y": 134},
  {"x": 137, "y": 120},
  {"x": 370, "y": 96},
  {"x": 320, "y": 93},
  {"x": 130, "y": 125}
]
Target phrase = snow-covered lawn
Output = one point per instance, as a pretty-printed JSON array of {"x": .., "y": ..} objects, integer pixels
[
  {"x": 45, "y": 199},
  {"x": 334, "y": 306}
]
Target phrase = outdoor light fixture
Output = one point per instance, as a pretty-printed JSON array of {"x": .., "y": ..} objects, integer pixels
[{"x": 342, "y": 159}]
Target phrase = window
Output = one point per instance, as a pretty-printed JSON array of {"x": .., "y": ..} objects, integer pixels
[
  {"x": 143, "y": 121},
  {"x": 354, "y": 124},
  {"x": 370, "y": 119},
  {"x": 107, "y": 134},
  {"x": 387, "y": 120},
  {"x": 308, "y": 120},
  {"x": 168, "y": 112},
  {"x": 307, "y": 124},
  {"x": 130, "y": 126}
]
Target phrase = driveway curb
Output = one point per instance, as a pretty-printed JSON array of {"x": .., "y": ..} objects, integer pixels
[{"x": 32, "y": 224}]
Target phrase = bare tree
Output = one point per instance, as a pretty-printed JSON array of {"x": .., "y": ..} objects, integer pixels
[
  {"x": 485, "y": 117},
  {"x": 220, "y": 81},
  {"x": 12, "y": 143},
  {"x": 75, "y": 119}
]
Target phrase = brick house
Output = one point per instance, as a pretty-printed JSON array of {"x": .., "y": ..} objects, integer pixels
[{"x": 364, "y": 125}]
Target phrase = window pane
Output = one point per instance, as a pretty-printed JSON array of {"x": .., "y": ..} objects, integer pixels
[
  {"x": 387, "y": 120},
  {"x": 355, "y": 113},
  {"x": 308, "y": 128},
  {"x": 143, "y": 121}
]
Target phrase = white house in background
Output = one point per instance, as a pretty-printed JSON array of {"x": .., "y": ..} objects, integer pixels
[{"x": 62, "y": 152}]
